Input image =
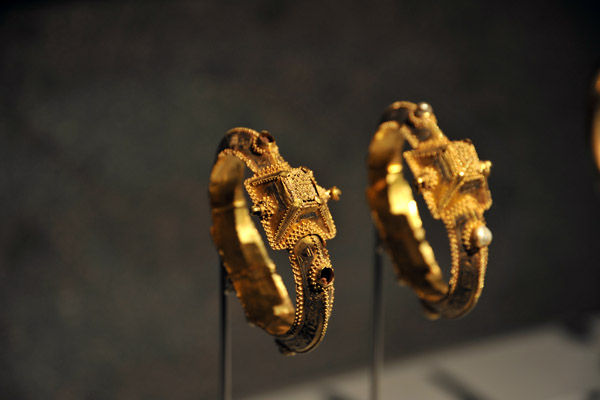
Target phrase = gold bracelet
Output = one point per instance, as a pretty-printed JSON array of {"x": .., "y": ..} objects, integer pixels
[
  {"x": 453, "y": 183},
  {"x": 294, "y": 214}
]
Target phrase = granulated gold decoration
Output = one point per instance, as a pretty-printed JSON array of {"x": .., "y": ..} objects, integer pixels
[
  {"x": 293, "y": 211},
  {"x": 453, "y": 182}
]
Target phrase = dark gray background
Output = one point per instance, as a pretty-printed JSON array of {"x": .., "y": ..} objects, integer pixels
[{"x": 110, "y": 115}]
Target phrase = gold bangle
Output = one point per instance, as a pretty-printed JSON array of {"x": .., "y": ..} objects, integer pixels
[
  {"x": 294, "y": 214},
  {"x": 453, "y": 183}
]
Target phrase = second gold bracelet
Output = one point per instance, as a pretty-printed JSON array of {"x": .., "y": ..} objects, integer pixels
[{"x": 453, "y": 182}]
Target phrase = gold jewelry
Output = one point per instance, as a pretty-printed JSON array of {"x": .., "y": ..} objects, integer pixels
[
  {"x": 595, "y": 122},
  {"x": 453, "y": 183},
  {"x": 294, "y": 214}
]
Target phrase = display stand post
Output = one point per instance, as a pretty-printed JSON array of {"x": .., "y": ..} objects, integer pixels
[
  {"x": 225, "y": 336},
  {"x": 377, "y": 321}
]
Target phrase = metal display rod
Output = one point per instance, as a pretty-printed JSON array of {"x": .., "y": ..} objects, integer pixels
[
  {"x": 377, "y": 320},
  {"x": 225, "y": 333}
]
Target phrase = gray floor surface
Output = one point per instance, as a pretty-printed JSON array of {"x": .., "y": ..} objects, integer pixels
[{"x": 547, "y": 362}]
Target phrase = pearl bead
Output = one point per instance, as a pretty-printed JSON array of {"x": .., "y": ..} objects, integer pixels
[
  {"x": 423, "y": 110},
  {"x": 424, "y": 107},
  {"x": 482, "y": 236}
]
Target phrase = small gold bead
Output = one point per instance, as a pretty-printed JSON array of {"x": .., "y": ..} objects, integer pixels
[
  {"x": 256, "y": 210},
  {"x": 334, "y": 193},
  {"x": 485, "y": 167}
]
